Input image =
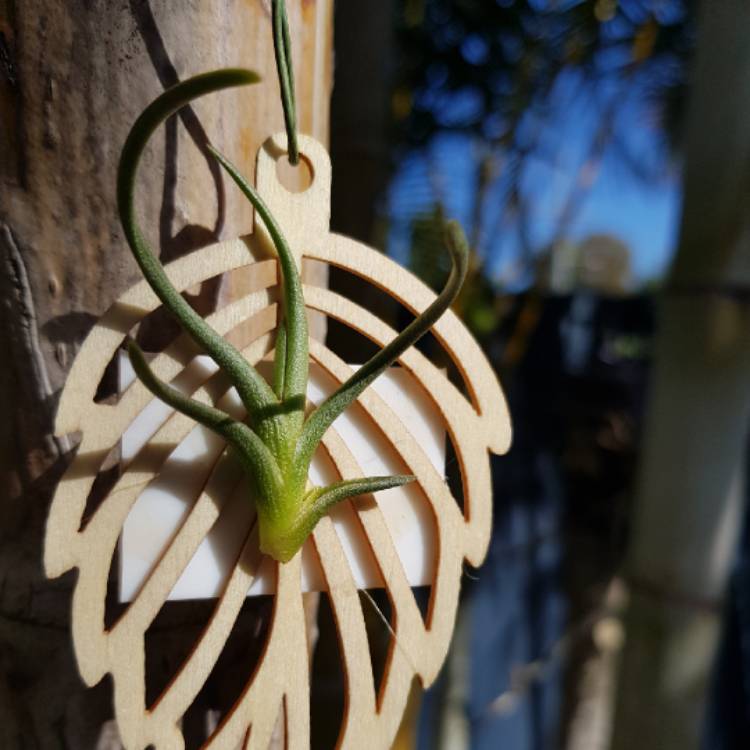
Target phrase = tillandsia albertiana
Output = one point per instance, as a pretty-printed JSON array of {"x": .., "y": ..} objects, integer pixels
[{"x": 277, "y": 441}]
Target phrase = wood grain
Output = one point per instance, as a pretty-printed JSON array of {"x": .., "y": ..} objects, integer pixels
[
  {"x": 73, "y": 77},
  {"x": 280, "y": 685}
]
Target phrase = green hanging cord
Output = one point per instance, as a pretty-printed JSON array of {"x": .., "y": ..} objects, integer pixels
[{"x": 282, "y": 48}]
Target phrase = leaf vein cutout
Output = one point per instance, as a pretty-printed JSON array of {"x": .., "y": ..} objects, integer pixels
[{"x": 477, "y": 425}]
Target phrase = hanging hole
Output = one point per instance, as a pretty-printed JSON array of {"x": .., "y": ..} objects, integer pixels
[{"x": 295, "y": 178}]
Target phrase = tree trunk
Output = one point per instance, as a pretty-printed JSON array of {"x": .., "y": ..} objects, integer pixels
[
  {"x": 690, "y": 499},
  {"x": 73, "y": 78}
]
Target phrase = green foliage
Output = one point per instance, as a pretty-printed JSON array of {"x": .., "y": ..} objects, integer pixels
[
  {"x": 277, "y": 443},
  {"x": 508, "y": 54}
]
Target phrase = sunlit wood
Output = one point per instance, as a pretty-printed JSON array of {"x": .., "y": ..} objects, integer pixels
[{"x": 477, "y": 425}]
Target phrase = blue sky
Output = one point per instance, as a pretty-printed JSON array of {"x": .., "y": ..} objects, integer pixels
[{"x": 640, "y": 209}]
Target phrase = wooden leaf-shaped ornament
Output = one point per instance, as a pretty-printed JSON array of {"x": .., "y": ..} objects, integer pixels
[{"x": 477, "y": 424}]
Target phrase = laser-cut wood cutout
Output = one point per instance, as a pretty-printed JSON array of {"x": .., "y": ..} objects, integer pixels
[
  {"x": 476, "y": 426},
  {"x": 162, "y": 507}
]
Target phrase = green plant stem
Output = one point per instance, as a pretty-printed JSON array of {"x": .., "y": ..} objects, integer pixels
[
  {"x": 296, "y": 347},
  {"x": 282, "y": 48},
  {"x": 279, "y": 360},
  {"x": 323, "y": 417},
  {"x": 255, "y": 393},
  {"x": 322, "y": 499},
  {"x": 276, "y": 449},
  {"x": 251, "y": 449}
]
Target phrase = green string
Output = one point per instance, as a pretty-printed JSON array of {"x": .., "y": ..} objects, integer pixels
[{"x": 282, "y": 48}]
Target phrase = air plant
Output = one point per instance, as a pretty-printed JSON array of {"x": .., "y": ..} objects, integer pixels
[{"x": 278, "y": 439}]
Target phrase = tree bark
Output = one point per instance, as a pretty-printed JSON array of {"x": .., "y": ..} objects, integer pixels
[
  {"x": 73, "y": 78},
  {"x": 691, "y": 481}
]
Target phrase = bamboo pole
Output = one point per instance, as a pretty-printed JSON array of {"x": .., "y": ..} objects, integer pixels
[{"x": 691, "y": 488}]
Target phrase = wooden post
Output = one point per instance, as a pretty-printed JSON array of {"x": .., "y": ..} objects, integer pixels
[{"x": 73, "y": 77}]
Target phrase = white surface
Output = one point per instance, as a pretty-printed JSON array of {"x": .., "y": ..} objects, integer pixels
[{"x": 165, "y": 504}]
